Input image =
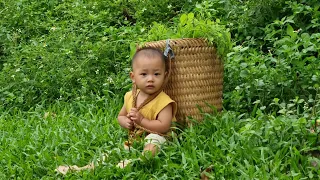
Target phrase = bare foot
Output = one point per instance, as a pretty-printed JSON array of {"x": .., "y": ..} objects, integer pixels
[
  {"x": 64, "y": 169},
  {"x": 89, "y": 166}
]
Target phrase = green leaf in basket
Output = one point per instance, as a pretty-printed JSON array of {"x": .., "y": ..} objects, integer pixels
[
  {"x": 183, "y": 19},
  {"x": 190, "y": 17}
]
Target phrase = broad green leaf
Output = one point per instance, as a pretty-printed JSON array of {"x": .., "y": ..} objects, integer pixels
[
  {"x": 244, "y": 49},
  {"x": 291, "y": 32},
  {"x": 260, "y": 82},
  {"x": 282, "y": 111},
  {"x": 305, "y": 37},
  {"x": 244, "y": 73},
  {"x": 183, "y": 19},
  {"x": 190, "y": 16},
  {"x": 133, "y": 48}
]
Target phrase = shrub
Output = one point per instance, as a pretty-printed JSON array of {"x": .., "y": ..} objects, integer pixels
[{"x": 285, "y": 68}]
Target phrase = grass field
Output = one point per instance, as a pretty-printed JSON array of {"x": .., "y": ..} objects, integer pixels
[
  {"x": 64, "y": 69},
  {"x": 35, "y": 142}
]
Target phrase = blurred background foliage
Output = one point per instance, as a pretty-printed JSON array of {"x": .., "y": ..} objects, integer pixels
[{"x": 61, "y": 50}]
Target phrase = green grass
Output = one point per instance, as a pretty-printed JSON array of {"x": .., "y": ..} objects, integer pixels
[
  {"x": 64, "y": 69},
  {"x": 238, "y": 146}
]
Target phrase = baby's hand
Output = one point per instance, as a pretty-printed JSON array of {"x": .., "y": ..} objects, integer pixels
[
  {"x": 135, "y": 115},
  {"x": 128, "y": 123}
]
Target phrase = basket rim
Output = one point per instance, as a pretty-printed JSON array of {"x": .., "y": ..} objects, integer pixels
[{"x": 178, "y": 42}]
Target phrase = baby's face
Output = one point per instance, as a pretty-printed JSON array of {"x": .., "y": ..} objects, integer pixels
[{"x": 148, "y": 74}]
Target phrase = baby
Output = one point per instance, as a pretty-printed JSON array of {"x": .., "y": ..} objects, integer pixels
[
  {"x": 157, "y": 109},
  {"x": 147, "y": 111}
]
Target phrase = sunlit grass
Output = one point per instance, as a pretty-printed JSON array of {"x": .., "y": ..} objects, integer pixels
[{"x": 34, "y": 143}]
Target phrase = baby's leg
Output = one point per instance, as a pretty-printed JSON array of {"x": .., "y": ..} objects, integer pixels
[
  {"x": 153, "y": 149},
  {"x": 128, "y": 147},
  {"x": 65, "y": 169},
  {"x": 153, "y": 143}
]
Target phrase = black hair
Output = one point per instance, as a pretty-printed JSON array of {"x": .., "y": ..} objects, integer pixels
[{"x": 150, "y": 52}]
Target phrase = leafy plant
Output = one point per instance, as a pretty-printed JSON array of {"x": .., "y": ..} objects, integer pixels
[
  {"x": 190, "y": 26},
  {"x": 284, "y": 68}
]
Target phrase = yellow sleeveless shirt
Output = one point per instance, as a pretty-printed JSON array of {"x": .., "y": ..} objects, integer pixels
[{"x": 153, "y": 108}]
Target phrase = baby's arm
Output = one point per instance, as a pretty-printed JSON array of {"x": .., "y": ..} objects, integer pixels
[
  {"x": 161, "y": 124},
  {"x": 123, "y": 120}
]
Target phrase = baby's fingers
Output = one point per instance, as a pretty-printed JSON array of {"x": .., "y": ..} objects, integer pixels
[
  {"x": 132, "y": 114},
  {"x": 134, "y": 110},
  {"x": 129, "y": 116},
  {"x": 129, "y": 124}
]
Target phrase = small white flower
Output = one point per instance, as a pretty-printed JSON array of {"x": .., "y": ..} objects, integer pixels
[{"x": 110, "y": 80}]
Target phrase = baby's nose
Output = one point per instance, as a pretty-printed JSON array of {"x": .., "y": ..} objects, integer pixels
[{"x": 150, "y": 78}]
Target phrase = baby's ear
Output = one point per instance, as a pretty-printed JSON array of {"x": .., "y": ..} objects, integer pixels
[{"x": 132, "y": 77}]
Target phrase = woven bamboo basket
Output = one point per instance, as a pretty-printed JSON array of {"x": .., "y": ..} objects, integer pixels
[{"x": 196, "y": 77}]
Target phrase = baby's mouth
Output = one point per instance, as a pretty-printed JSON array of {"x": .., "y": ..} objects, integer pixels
[{"x": 150, "y": 86}]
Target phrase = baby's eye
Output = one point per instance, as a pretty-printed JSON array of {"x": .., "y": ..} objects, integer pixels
[
  {"x": 143, "y": 74},
  {"x": 156, "y": 74}
]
